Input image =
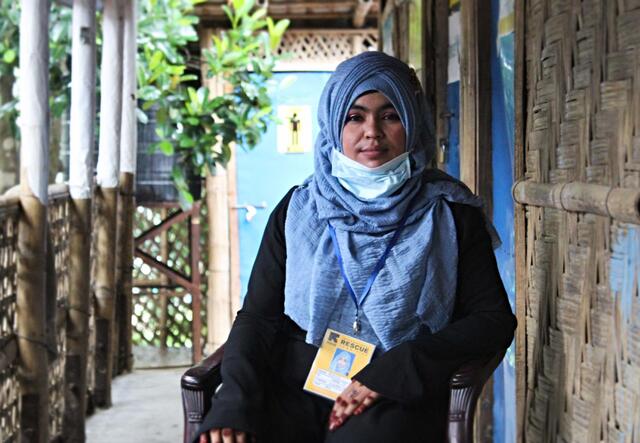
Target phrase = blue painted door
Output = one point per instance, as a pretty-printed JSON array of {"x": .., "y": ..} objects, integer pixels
[{"x": 282, "y": 159}]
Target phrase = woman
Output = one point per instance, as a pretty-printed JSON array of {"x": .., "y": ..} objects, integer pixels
[{"x": 376, "y": 246}]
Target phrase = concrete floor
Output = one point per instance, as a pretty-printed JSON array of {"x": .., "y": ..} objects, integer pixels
[{"x": 146, "y": 408}]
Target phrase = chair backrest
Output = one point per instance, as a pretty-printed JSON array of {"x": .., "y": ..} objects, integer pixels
[{"x": 465, "y": 387}]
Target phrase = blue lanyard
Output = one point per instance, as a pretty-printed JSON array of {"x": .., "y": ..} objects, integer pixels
[{"x": 372, "y": 278}]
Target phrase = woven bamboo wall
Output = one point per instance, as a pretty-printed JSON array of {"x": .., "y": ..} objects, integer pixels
[
  {"x": 582, "y": 270},
  {"x": 9, "y": 399},
  {"x": 59, "y": 233}
]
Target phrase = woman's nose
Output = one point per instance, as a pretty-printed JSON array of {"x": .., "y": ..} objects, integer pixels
[{"x": 372, "y": 128}]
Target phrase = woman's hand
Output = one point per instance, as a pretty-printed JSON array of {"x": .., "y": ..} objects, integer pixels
[
  {"x": 352, "y": 401},
  {"x": 226, "y": 435}
]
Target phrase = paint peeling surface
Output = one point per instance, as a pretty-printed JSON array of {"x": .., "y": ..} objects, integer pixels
[
  {"x": 83, "y": 101},
  {"x": 502, "y": 134},
  {"x": 129, "y": 132},
  {"x": 624, "y": 272},
  {"x": 624, "y": 281},
  {"x": 34, "y": 97},
  {"x": 111, "y": 95}
]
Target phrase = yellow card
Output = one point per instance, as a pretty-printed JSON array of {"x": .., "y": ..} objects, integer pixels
[{"x": 339, "y": 358}]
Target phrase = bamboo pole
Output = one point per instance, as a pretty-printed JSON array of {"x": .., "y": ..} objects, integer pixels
[
  {"x": 475, "y": 101},
  {"x": 105, "y": 228},
  {"x": 196, "y": 293},
  {"x": 163, "y": 296},
  {"x": 78, "y": 319},
  {"x": 106, "y": 199},
  {"x": 520, "y": 221},
  {"x": 360, "y": 12},
  {"x": 34, "y": 159},
  {"x": 124, "y": 269},
  {"x": 234, "y": 234},
  {"x": 126, "y": 206},
  {"x": 475, "y": 140},
  {"x": 622, "y": 204},
  {"x": 83, "y": 111},
  {"x": 219, "y": 306}
]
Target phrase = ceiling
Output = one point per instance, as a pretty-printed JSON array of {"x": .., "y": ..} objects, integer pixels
[{"x": 304, "y": 13}]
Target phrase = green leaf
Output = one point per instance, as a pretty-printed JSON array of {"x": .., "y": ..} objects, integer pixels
[
  {"x": 187, "y": 142},
  {"x": 156, "y": 59},
  {"x": 9, "y": 56},
  {"x": 166, "y": 147},
  {"x": 142, "y": 117},
  {"x": 281, "y": 26}
]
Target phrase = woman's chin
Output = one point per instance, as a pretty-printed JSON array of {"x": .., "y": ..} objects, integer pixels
[{"x": 373, "y": 159}]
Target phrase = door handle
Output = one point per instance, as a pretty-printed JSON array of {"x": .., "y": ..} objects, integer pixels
[{"x": 250, "y": 210}]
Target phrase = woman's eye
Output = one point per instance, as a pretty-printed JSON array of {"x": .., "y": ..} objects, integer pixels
[
  {"x": 391, "y": 116},
  {"x": 353, "y": 118}
]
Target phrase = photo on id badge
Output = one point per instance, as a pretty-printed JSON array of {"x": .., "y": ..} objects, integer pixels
[{"x": 342, "y": 361}]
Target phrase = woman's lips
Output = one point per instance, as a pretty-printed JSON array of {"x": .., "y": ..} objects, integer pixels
[{"x": 373, "y": 152}]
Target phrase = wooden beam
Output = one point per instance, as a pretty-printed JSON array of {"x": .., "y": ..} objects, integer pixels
[
  {"x": 475, "y": 137},
  {"x": 124, "y": 270},
  {"x": 475, "y": 100},
  {"x": 165, "y": 224},
  {"x": 622, "y": 204},
  {"x": 78, "y": 319},
  {"x": 219, "y": 305},
  {"x": 196, "y": 293},
  {"x": 126, "y": 198},
  {"x": 520, "y": 219},
  {"x": 360, "y": 12},
  {"x": 34, "y": 159},
  {"x": 107, "y": 198},
  {"x": 82, "y": 130},
  {"x": 234, "y": 233},
  {"x": 105, "y": 229},
  {"x": 441, "y": 43},
  {"x": 177, "y": 276}
]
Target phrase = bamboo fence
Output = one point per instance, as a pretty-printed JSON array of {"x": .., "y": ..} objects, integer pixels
[
  {"x": 60, "y": 330},
  {"x": 579, "y": 191},
  {"x": 9, "y": 396}
]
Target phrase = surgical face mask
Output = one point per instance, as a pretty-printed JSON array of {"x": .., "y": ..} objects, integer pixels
[{"x": 369, "y": 183}]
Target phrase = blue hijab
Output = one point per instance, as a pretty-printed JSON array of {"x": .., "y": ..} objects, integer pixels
[{"x": 416, "y": 287}]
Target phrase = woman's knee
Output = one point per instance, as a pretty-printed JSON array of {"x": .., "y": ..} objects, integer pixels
[{"x": 389, "y": 421}]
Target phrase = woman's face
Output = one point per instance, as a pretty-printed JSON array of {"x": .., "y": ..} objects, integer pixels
[{"x": 373, "y": 133}]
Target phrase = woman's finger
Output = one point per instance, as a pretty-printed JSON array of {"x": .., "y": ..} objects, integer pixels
[
  {"x": 366, "y": 403},
  {"x": 203, "y": 438},
  {"x": 214, "y": 436},
  {"x": 241, "y": 437},
  {"x": 355, "y": 398},
  {"x": 228, "y": 435}
]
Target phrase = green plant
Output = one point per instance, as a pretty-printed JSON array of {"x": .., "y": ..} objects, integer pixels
[
  {"x": 59, "y": 56},
  {"x": 197, "y": 126}
]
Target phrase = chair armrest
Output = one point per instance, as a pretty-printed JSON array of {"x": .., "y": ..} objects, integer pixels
[
  {"x": 465, "y": 387},
  {"x": 198, "y": 385}
]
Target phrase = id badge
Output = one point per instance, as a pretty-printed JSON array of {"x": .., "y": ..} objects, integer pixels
[{"x": 339, "y": 358}]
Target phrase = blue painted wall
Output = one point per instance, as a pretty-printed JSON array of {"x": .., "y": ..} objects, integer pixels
[
  {"x": 502, "y": 130},
  {"x": 264, "y": 174},
  {"x": 452, "y": 160}
]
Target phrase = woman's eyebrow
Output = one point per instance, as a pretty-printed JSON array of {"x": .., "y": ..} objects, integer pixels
[{"x": 365, "y": 109}]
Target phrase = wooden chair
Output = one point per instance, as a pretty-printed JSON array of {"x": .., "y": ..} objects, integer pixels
[{"x": 199, "y": 383}]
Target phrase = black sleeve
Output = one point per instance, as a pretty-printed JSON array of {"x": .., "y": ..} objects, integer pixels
[
  {"x": 482, "y": 323},
  {"x": 238, "y": 403}
]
